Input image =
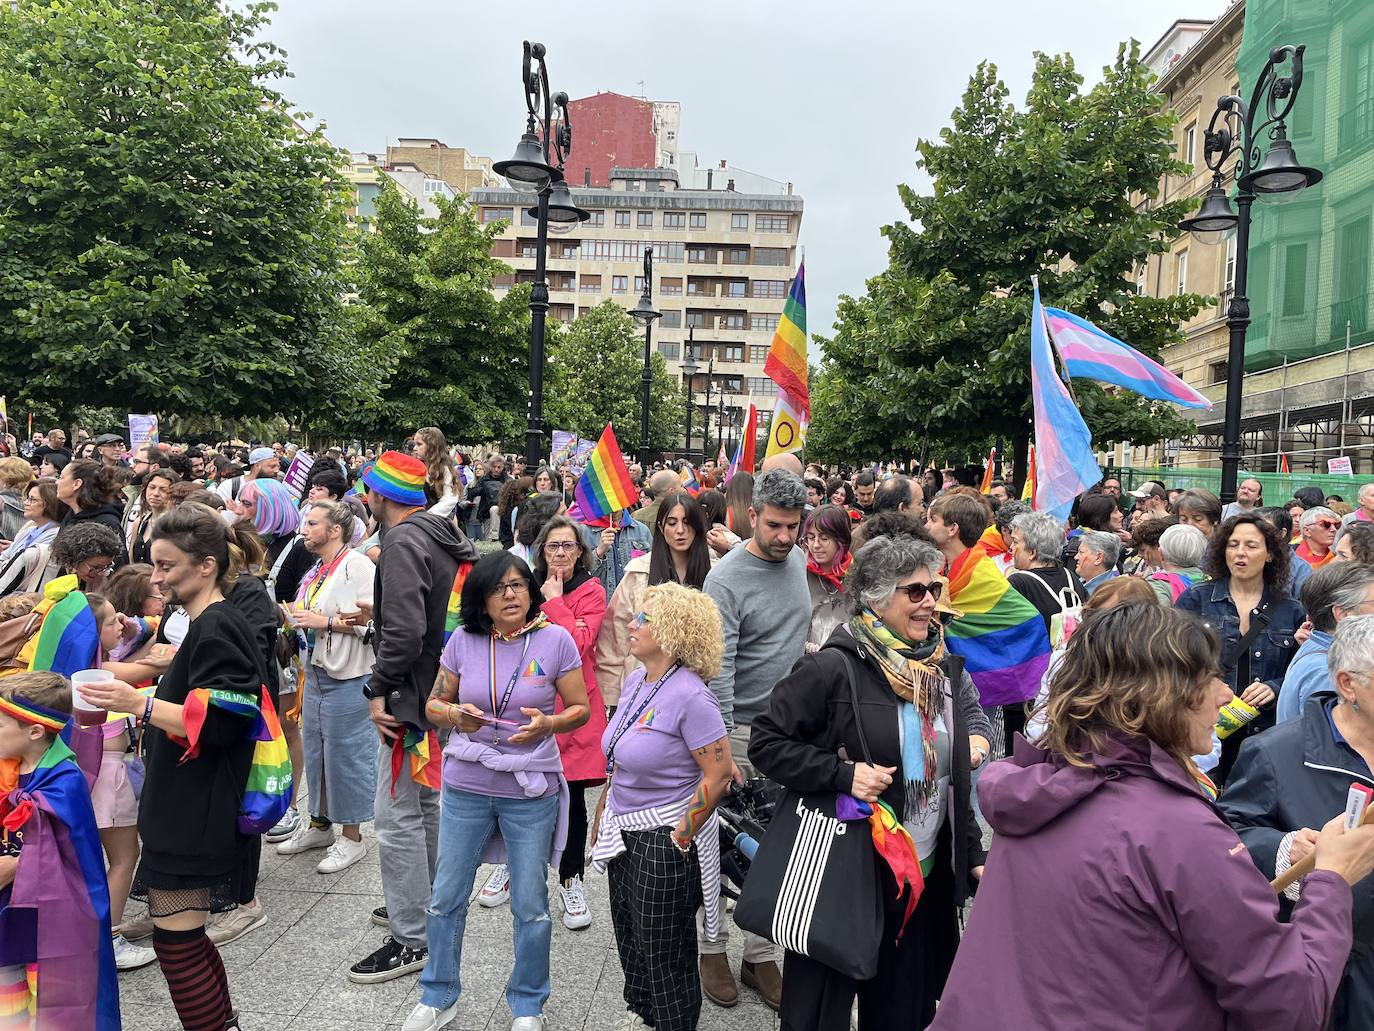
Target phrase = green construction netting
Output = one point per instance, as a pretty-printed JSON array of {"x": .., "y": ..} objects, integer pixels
[
  {"x": 1278, "y": 487},
  {"x": 1309, "y": 275}
]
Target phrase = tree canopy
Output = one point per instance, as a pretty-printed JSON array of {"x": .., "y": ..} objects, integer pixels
[
  {"x": 936, "y": 353},
  {"x": 169, "y": 233}
]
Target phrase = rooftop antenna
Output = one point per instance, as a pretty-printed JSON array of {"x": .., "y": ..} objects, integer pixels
[{"x": 641, "y": 90}]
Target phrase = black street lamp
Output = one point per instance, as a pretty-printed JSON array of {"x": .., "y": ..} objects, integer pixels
[
  {"x": 530, "y": 171},
  {"x": 1233, "y": 131},
  {"x": 706, "y": 430},
  {"x": 689, "y": 370},
  {"x": 644, "y": 313},
  {"x": 720, "y": 422}
]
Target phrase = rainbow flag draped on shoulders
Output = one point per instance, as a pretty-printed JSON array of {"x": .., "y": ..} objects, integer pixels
[
  {"x": 605, "y": 486},
  {"x": 999, "y": 634},
  {"x": 55, "y": 917}
]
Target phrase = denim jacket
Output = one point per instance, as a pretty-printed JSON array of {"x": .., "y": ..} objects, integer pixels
[{"x": 1271, "y": 650}]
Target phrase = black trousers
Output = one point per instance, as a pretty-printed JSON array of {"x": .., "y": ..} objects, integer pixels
[
  {"x": 911, "y": 972},
  {"x": 655, "y": 894},
  {"x": 574, "y": 861}
]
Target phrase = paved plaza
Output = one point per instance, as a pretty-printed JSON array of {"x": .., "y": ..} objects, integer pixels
[{"x": 291, "y": 973}]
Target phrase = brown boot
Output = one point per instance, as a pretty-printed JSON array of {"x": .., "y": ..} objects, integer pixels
[
  {"x": 717, "y": 983},
  {"x": 766, "y": 979}
]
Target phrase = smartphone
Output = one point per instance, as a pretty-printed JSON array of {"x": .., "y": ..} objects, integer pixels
[{"x": 1356, "y": 802}]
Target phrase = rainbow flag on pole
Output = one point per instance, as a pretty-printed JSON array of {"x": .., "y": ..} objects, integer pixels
[
  {"x": 999, "y": 634},
  {"x": 744, "y": 454},
  {"x": 605, "y": 486},
  {"x": 786, "y": 366}
]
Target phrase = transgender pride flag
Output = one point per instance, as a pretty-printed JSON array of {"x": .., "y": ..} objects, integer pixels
[
  {"x": 1092, "y": 354},
  {"x": 1064, "y": 462}
]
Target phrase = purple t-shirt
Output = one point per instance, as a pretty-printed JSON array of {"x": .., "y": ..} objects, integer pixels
[
  {"x": 541, "y": 657},
  {"x": 654, "y": 764}
]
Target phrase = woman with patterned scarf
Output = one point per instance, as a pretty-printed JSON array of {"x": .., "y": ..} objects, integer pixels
[
  {"x": 920, "y": 711},
  {"x": 826, "y": 536}
]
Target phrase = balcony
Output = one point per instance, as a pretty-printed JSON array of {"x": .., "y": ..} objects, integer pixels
[
  {"x": 1356, "y": 128},
  {"x": 1355, "y": 311}
]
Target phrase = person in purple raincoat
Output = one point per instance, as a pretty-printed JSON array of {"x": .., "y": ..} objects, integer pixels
[{"x": 1116, "y": 896}]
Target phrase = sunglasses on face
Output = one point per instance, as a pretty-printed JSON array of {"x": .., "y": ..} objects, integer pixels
[
  {"x": 640, "y": 619},
  {"x": 1327, "y": 524},
  {"x": 916, "y": 593}
]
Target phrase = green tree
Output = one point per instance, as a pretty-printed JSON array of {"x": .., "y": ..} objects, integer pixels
[
  {"x": 596, "y": 376},
  {"x": 937, "y": 351},
  {"x": 449, "y": 352},
  {"x": 169, "y": 232}
]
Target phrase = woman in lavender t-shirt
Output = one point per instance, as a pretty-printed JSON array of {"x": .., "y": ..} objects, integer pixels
[
  {"x": 505, "y": 799},
  {"x": 655, "y": 829}
]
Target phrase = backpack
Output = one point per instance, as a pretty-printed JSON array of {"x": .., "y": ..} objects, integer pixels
[{"x": 1066, "y": 620}]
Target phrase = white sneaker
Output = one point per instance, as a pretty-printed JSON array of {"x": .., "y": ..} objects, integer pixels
[
  {"x": 223, "y": 928},
  {"x": 285, "y": 827},
  {"x": 427, "y": 1018},
  {"x": 496, "y": 892},
  {"x": 342, "y": 854},
  {"x": 630, "y": 1021},
  {"x": 576, "y": 915},
  {"x": 527, "y": 1023},
  {"x": 305, "y": 839},
  {"x": 129, "y": 956}
]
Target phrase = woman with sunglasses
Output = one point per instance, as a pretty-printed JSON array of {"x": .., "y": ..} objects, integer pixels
[
  {"x": 918, "y": 710},
  {"x": 1248, "y": 608}
]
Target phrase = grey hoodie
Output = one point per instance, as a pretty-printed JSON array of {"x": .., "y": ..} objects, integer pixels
[{"x": 414, "y": 580}]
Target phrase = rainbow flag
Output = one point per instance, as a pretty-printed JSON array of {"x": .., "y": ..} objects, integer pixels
[
  {"x": 453, "y": 618},
  {"x": 421, "y": 748},
  {"x": 1068, "y": 466},
  {"x": 690, "y": 483},
  {"x": 1088, "y": 352},
  {"x": 744, "y": 454},
  {"x": 1028, "y": 489},
  {"x": 605, "y": 486},
  {"x": 986, "y": 487},
  {"x": 267, "y": 793},
  {"x": 786, "y": 366},
  {"x": 999, "y": 635}
]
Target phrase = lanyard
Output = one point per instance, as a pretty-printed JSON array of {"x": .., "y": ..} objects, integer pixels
[
  {"x": 498, "y": 710},
  {"x": 316, "y": 585},
  {"x": 624, "y": 724}
]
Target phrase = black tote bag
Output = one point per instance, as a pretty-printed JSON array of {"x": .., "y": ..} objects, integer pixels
[{"x": 813, "y": 885}]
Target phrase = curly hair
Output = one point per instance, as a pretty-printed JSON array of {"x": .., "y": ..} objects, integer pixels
[
  {"x": 1275, "y": 569},
  {"x": 77, "y": 542},
  {"x": 1136, "y": 670},
  {"x": 687, "y": 625},
  {"x": 1361, "y": 537}
]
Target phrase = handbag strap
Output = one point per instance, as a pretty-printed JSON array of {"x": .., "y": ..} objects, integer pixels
[{"x": 854, "y": 703}]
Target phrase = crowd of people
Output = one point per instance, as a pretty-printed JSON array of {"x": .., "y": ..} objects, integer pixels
[{"x": 1156, "y": 707}]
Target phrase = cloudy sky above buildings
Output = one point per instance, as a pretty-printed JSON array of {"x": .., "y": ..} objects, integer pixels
[{"x": 829, "y": 95}]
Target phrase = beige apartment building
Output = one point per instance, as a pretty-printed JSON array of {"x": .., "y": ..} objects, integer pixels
[
  {"x": 461, "y": 169},
  {"x": 723, "y": 264}
]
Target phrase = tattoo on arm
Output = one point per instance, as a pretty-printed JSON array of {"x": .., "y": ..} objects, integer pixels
[{"x": 445, "y": 686}]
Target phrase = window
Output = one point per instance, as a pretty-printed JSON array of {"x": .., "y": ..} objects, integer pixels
[
  {"x": 497, "y": 215},
  {"x": 772, "y": 223},
  {"x": 645, "y": 219},
  {"x": 739, "y": 221},
  {"x": 620, "y": 284},
  {"x": 1228, "y": 274},
  {"x": 671, "y": 320},
  {"x": 598, "y": 218},
  {"x": 569, "y": 250},
  {"x": 435, "y": 186},
  {"x": 1190, "y": 144},
  {"x": 503, "y": 248},
  {"x": 731, "y": 352},
  {"x": 639, "y": 284},
  {"x": 669, "y": 286},
  {"x": 763, "y": 322},
  {"x": 698, "y": 288},
  {"x": 698, "y": 220},
  {"x": 760, "y": 386},
  {"x": 526, "y": 219},
  {"x": 622, "y": 219},
  {"x": 699, "y": 256},
  {"x": 773, "y": 287},
  {"x": 732, "y": 320},
  {"x": 1216, "y": 372},
  {"x": 1295, "y": 279},
  {"x": 1352, "y": 279},
  {"x": 1140, "y": 282},
  {"x": 736, "y": 288},
  {"x": 770, "y": 255},
  {"x": 668, "y": 348},
  {"x": 1181, "y": 272},
  {"x": 758, "y": 353},
  {"x": 529, "y": 249},
  {"x": 737, "y": 256},
  {"x": 589, "y": 284},
  {"x": 673, "y": 219},
  {"x": 698, "y": 319}
]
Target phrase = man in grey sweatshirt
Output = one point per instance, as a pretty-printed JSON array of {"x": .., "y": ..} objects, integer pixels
[{"x": 765, "y": 611}]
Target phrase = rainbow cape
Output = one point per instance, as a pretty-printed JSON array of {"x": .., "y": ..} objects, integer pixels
[
  {"x": 67, "y": 639},
  {"x": 605, "y": 486},
  {"x": 1000, "y": 635},
  {"x": 55, "y": 918},
  {"x": 992, "y": 545}
]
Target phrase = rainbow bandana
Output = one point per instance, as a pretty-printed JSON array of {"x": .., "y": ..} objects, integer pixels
[
  {"x": 25, "y": 710},
  {"x": 397, "y": 477}
]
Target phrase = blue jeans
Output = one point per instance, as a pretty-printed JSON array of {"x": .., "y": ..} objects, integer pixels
[
  {"x": 340, "y": 748},
  {"x": 527, "y": 825}
]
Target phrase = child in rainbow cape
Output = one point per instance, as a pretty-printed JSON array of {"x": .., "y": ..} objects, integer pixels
[{"x": 57, "y": 967}]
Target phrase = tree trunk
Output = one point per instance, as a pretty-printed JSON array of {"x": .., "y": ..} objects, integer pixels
[{"x": 1020, "y": 461}]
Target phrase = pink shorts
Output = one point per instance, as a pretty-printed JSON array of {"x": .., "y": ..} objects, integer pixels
[{"x": 112, "y": 795}]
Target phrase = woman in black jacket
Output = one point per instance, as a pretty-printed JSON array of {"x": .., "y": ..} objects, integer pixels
[
  {"x": 919, "y": 709},
  {"x": 89, "y": 489}
]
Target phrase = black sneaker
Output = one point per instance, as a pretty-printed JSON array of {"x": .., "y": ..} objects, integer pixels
[
  {"x": 379, "y": 917},
  {"x": 392, "y": 960}
]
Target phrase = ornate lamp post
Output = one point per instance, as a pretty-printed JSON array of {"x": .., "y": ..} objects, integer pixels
[
  {"x": 532, "y": 171},
  {"x": 689, "y": 370},
  {"x": 644, "y": 313},
  {"x": 1232, "y": 131},
  {"x": 706, "y": 430}
]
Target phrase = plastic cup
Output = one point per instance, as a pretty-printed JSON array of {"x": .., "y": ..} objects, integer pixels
[{"x": 88, "y": 715}]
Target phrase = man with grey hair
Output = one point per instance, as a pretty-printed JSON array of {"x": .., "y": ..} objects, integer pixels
[
  {"x": 1006, "y": 512},
  {"x": 765, "y": 612},
  {"x": 1317, "y": 528},
  {"x": 1037, "y": 538},
  {"x": 1331, "y": 595},
  {"x": 1095, "y": 562}
]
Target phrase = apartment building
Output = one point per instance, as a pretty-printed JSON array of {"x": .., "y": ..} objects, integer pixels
[
  {"x": 365, "y": 173},
  {"x": 461, "y": 169},
  {"x": 723, "y": 264}
]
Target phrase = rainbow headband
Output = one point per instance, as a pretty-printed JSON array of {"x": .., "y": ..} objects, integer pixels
[{"x": 25, "y": 710}]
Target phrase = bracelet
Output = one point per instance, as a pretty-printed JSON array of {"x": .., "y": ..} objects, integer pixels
[
  {"x": 148, "y": 712},
  {"x": 684, "y": 849}
]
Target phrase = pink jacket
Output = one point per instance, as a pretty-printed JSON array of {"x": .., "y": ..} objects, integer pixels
[{"x": 580, "y": 613}]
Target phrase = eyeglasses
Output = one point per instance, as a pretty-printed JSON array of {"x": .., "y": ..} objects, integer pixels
[
  {"x": 818, "y": 538},
  {"x": 639, "y": 619},
  {"x": 916, "y": 593},
  {"x": 557, "y": 546},
  {"x": 516, "y": 587},
  {"x": 1327, "y": 524}
]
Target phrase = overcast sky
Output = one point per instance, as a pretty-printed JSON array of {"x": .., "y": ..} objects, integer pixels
[{"x": 829, "y": 95}]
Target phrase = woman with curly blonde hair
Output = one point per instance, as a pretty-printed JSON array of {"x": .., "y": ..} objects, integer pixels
[{"x": 655, "y": 830}]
